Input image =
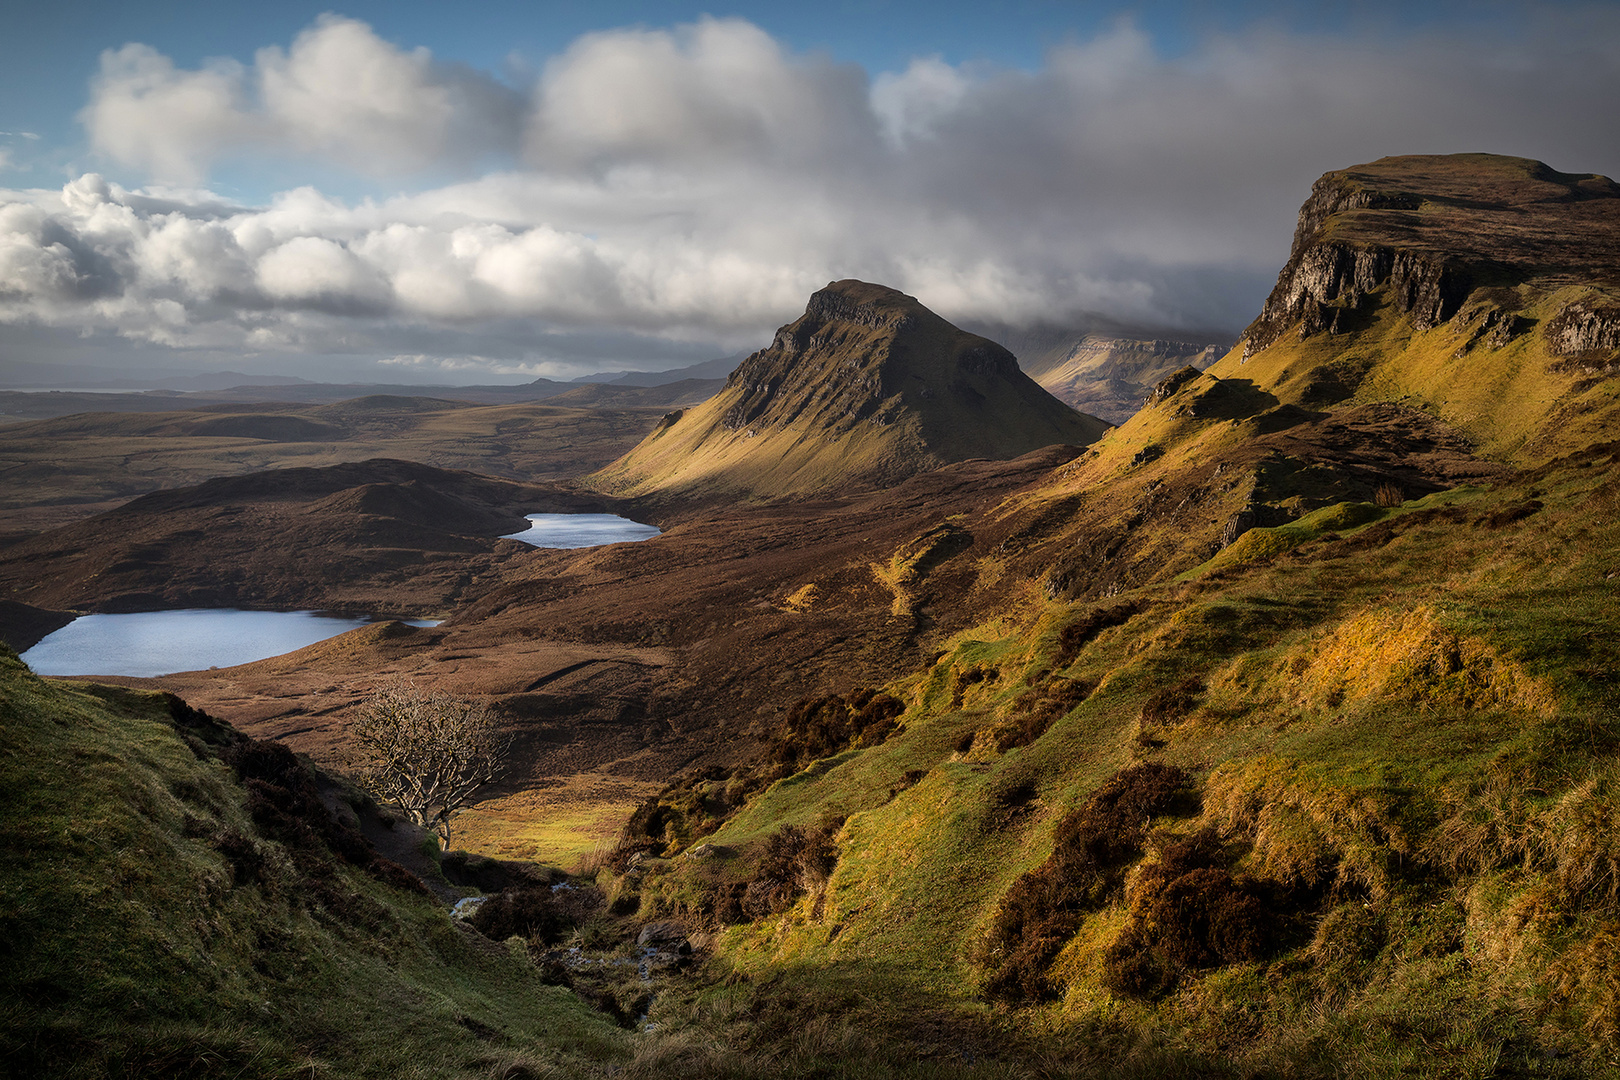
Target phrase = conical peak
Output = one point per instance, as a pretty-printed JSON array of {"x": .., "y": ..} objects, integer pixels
[
  {"x": 867, "y": 386},
  {"x": 853, "y": 356}
]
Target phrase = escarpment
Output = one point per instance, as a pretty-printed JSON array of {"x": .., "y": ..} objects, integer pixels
[{"x": 1430, "y": 232}]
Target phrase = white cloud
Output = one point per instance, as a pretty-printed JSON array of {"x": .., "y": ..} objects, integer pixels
[
  {"x": 339, "y": 93},
  {"x": 172, "y": 124},
  {"x": 911, "y": 104},
  {"x": 695, "y": 184},
  {"x": 715, "y": 94}
]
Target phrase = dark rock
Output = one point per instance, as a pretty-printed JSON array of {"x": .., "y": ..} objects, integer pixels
[
  {"x": 1253, "y": 516},
  {"x": 1170, "y": 384},
  {"x": 661, "y": 934},
  {"x": 1428, "y": 230},
  {"x": 1150, "y": 452}
]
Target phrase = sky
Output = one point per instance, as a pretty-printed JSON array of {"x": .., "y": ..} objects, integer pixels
[{"x": 497, "y": 191}]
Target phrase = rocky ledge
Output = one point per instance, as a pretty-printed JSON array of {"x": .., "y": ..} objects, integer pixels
[{"x": 1433, "y": 231}]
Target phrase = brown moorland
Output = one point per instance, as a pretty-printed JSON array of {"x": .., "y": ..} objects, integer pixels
[{"x": 64, "y": 468}]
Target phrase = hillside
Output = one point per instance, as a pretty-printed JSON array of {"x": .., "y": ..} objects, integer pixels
[
  {"x": 1295, "y": 755},
  {"x": 866, "y": 388},
  {"x": 177, "y": 902},
  {"x": 1484, "y": 289},
  {"x": 1271, "y": 734}
]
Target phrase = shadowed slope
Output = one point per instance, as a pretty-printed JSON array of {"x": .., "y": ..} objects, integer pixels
[
  {"x": 178, "y": 902},
  {"x": 866, "y": 388}
]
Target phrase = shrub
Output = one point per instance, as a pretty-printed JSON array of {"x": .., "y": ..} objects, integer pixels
[
  {"x": 542, "y": 914},
  {"x": 1205, "y": 918},
  {"x": 246, "y": 860},
  {"x": 1510, "y": 514},
  {"x": 1078, "y": 634},
  {"x": 1133, "y": 968},
  {"x": 793, "y": 861},
  {"x": 284, "y": 802},
  {"x": 1038, "y": 708},
  {"x": 819, "y": 727},
  {"x": 1171, "y": 703},
  {"x": 1188, "y": 912},
  {"x": 963, "y": 678},
  {"x": 1042, "y": 909}
]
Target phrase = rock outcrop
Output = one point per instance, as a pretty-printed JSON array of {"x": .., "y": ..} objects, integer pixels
[{"x": 1430, "y": 231}]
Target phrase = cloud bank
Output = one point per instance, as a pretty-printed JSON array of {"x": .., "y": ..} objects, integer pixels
[{"x": 693, "y": 185}]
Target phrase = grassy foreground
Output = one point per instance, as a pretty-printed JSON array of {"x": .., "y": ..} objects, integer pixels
[{"x": 156, "y": 919}]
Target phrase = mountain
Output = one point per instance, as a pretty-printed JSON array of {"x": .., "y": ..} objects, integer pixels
[
  {"x": 1101, "y": 367},
  {"x": 1111, "y": 377},
  {"x": 866, "y": 388},
  {"x": 1484, "y": 288},
  {"x": 1274, "y": 733}
]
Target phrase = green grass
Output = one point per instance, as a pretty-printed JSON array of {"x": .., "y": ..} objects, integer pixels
[{"x": 132, "y": 948}]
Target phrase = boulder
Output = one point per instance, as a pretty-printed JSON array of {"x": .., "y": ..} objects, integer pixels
[{"x": 668, "y": 935}]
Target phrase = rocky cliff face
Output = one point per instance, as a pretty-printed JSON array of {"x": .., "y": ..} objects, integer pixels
[{"x": 1428, "y": 232}]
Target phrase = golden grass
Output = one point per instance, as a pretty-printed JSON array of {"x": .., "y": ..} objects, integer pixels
[
  {"x": 562, "y": 825},
  {"x": 1411, "y": 656}
]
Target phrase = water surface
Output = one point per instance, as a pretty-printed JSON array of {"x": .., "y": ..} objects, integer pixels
[
  {"x": 581, "y": 530},
  {"x": 149, "y": 643}
]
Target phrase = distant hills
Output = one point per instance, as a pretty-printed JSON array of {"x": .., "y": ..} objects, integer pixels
[
  {"x": 867, "y": 387},
  {"x": 717, "y": 368}
]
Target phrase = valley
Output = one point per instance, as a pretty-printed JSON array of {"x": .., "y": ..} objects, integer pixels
[{"x": 1266, "y": 730}]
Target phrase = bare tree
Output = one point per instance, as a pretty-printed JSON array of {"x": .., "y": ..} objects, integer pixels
[{"x": 428, "y": 754}]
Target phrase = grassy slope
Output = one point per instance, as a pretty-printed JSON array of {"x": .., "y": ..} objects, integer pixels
[
  {"x": 1425, "y": 728},
  {"x": 1401, "y": 719},
  {"x": 132, "y": 949}
]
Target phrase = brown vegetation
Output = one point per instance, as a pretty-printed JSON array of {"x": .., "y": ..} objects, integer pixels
[{"x": 1039, "y": 914}]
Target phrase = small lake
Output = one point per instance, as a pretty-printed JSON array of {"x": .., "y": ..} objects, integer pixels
[
  {"x": 150, "y": 643},
  {"x": 582, "y": 530}
]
